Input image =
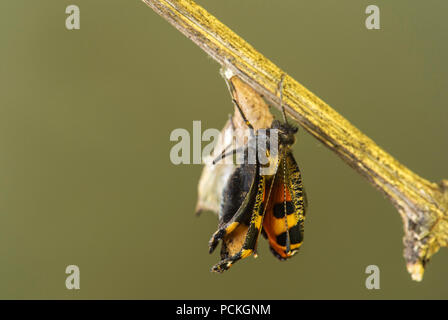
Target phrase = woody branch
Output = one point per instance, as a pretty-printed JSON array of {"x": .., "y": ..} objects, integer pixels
[{"x": 423, "y": 205}]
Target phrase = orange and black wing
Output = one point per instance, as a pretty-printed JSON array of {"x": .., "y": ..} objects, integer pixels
[
  {"x": 240, "y": 234},
  {"x": 283, "y": 224}
]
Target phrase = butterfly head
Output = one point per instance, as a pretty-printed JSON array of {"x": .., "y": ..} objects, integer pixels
[{"x": 286, "y": 132}]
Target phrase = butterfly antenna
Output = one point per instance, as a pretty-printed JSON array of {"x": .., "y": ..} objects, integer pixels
[
  {"x": 288, "y": 239},
  {"x": 280, "y": 88}
]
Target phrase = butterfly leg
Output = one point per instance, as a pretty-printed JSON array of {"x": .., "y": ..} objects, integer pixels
[{"x": 226, "y": 153}]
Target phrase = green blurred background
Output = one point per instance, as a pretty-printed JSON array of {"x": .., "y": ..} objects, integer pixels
[{"x": 85, "y": 175}]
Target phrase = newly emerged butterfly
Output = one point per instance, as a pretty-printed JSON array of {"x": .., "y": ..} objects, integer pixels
[{"x": 255, "y": 202}]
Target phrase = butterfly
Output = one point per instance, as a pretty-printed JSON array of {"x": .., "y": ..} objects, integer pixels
[{"x": 255, "y": 202}]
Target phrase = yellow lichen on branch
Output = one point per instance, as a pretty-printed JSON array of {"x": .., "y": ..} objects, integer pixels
[{"x": 423, "y": 205}]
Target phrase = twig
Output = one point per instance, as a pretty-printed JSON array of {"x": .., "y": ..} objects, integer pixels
[{"x": 423, "y": 205}]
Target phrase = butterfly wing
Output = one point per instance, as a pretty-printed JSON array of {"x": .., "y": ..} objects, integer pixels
[
  {"x": 283, "y": 224},
  {"x": 241, "y": 232},
  {"x": 236, "y": 202}
]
